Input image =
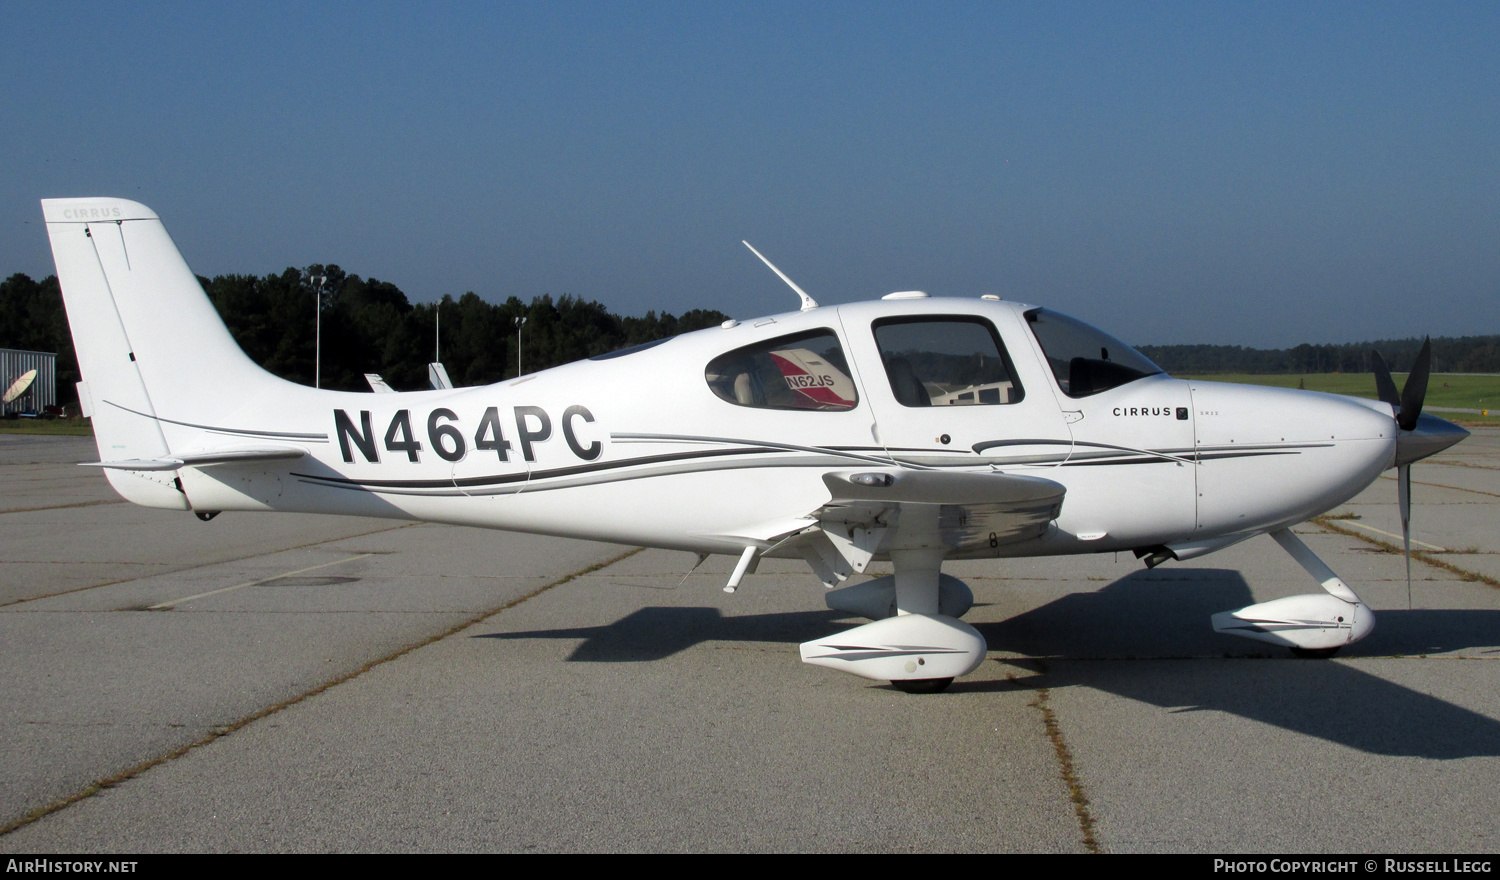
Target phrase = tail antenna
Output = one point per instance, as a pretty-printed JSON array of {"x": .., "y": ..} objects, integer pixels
[{"x": 807, "y": 301}]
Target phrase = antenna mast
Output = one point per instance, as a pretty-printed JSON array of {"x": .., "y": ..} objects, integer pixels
[{"x": 807, "y": 301}]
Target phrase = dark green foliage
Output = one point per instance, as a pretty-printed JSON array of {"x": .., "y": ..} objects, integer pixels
[
  {"x": 31, "y": 314},
  {"x": 368, "y": 327},
  {"x": 32, "y": 319}
]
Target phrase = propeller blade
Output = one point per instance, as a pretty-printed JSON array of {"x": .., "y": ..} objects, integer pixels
[
  {"x": 1415, "y": 389},
  {"x": 1403, "y": 490},
  {"x": 1385, "y": 386}
]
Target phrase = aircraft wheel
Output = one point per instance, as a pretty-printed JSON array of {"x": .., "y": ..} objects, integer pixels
[
  {"x": 922, "y": 685},
  {"x": 1314, "y": 653}
]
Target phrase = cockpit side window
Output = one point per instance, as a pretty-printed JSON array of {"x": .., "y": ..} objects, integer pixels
[
  {"x": 946, "y": 361},
  {"x": 806, "y": 371},
  {"x": 1084, "y": 359}
]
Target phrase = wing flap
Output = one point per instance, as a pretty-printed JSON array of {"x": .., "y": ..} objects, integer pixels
[
  {"x": 966, "y": 512},
  {"x": 940, "y": 487}
]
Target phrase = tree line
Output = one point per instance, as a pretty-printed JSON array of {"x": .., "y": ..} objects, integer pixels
[
  {"x": 369, "y": 326},
  {"x": 1466, "y": 354}
]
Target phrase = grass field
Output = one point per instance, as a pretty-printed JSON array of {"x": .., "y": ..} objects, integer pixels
[
  {"x": 1460, "y": 390},
  {"x": 55, "y": 427}
]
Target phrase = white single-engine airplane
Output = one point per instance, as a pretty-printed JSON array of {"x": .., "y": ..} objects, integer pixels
[{"x": 910, "y": 429}]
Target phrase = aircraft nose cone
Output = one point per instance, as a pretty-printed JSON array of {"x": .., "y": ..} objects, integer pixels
[{"x": 1430, "y": 436}]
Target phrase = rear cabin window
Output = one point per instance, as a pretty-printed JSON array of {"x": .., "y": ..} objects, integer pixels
[
  {"x": 946, "y": 361},
  {"x": 805, "y": 371}
]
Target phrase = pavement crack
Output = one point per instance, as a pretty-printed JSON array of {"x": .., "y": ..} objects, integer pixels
[
  {"x": 1420, "y": 555},
  {"x": 226, "y": 729},
  {"x": 204, "y": 565},
  {"x": 1446, "y": 486},
  {"x": 1043, "y": 703}
]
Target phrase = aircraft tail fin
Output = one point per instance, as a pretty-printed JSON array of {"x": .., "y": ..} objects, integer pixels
[{"x": 152, "y": 349}]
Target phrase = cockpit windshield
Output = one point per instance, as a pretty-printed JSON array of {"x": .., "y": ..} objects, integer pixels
[{"x": 1086, "y": 360}]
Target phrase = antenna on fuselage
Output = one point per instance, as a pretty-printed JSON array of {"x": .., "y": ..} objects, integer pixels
[{"x": 807, "y": 301}]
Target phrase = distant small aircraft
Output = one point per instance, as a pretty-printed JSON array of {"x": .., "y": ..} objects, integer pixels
[{"x": 911, "y": 429}]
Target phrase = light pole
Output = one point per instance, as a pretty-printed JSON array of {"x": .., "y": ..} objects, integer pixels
[
  {"x": 317, "y": 282},
  {"x": 519, "y": 322}
]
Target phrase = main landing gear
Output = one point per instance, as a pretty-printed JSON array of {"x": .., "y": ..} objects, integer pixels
[{"x": 916, "y": 642}]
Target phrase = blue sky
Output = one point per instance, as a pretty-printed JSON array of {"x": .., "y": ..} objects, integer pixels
[{"x": 1249, "y": 173}]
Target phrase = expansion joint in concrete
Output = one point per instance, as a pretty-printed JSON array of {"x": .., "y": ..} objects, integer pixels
[
  {"x": 226, "y": 729},
  {"x": 1080, "y": 801}
]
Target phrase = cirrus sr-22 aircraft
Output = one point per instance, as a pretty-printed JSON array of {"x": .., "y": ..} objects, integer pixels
[{"x": 910, "y": 429}]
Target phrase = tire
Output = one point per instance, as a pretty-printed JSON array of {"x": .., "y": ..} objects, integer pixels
[
  {"x": 1314, "y": 653},
  {"x": 922, "y": 685}
]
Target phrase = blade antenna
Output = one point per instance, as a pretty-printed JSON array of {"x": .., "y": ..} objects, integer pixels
[
  {"x": 807, "y": 301},
  {"x": 697, "y": 562}
]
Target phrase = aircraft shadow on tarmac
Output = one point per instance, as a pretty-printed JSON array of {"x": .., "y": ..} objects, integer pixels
[{"x": 1159, "y": 616}]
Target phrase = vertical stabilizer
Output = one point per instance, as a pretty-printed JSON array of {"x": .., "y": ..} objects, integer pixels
[{"x": 153, "y": 351}]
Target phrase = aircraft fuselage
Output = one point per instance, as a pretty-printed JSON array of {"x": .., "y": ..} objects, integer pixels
[{"x": 639, "y": 449}]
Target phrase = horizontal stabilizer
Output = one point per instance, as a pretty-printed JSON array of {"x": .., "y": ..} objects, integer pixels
[
  {"x": 200, "y": 459},
  {"x": 137, "y": 464}
]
